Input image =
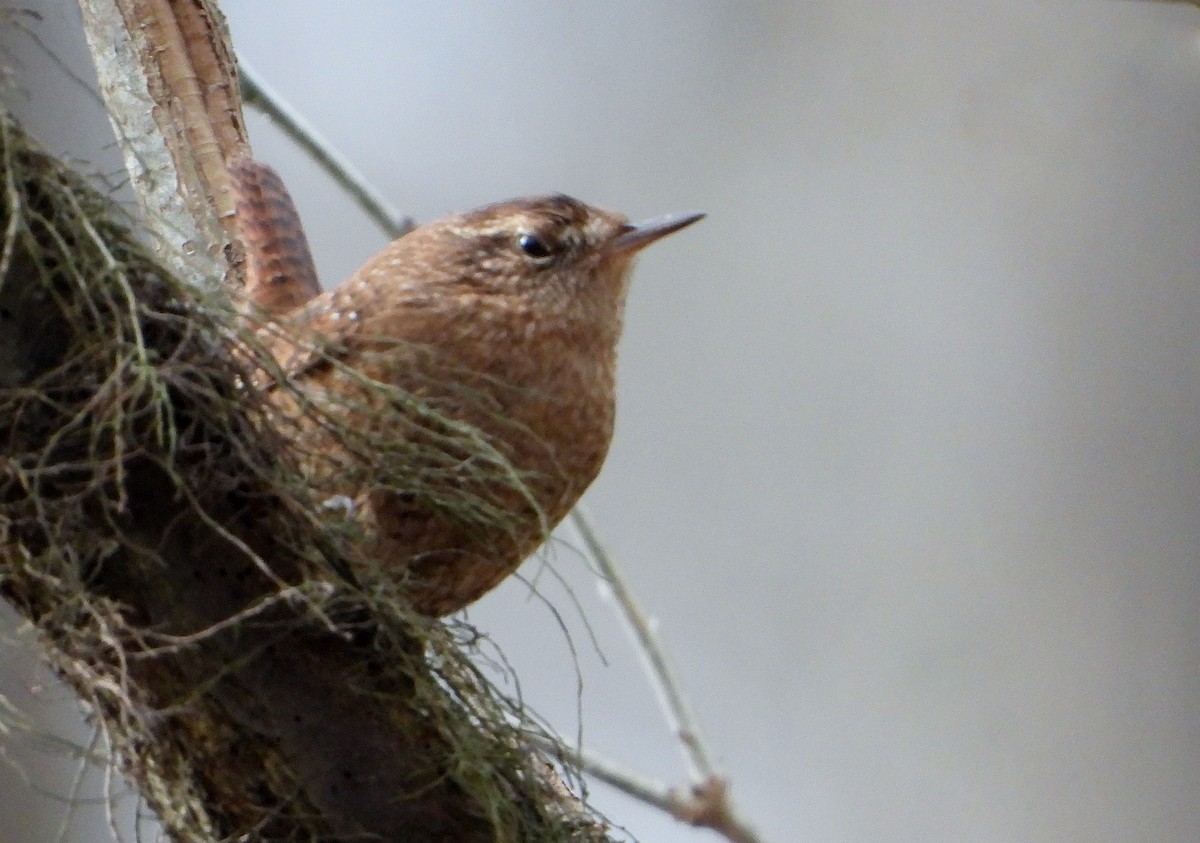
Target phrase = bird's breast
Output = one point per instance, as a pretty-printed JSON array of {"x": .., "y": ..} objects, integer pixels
[{"x": 549, "y": 401}]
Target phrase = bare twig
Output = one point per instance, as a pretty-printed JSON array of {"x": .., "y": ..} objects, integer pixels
[
  {"x": 675, "y": 707},
  {"x": 612, "y": 773},
  {"x": 705, "y": 804},
  {"x": 260, "y": 95}
]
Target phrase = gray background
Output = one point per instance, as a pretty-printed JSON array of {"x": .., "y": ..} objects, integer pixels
[{"x": 908, "y": 457}]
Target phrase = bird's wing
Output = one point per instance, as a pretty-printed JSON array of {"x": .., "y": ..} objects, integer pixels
[{"x": 340, "y": 329}]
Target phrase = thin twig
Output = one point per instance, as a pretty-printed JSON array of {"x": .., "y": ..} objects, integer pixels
[
  {"x": 705, "y": 805},
  {"x": 675, "y": 707},
  {"x": 708, "y": 803},
  {"x": 258, "y": 94},
  {"x": 612, "y": 773}
]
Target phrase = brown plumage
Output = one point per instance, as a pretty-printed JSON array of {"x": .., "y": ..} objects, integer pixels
[
  {"x": 504, "y": 321},
  {"x": 280, "y": 275}
]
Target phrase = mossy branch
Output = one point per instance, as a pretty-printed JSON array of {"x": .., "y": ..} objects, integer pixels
[{"x": 157, "y": 531}]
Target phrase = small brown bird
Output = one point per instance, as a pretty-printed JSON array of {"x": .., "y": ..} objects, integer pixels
[{"x": 458, "y": 388}]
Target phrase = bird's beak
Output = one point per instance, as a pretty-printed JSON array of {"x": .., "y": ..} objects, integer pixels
[{"x": 637, "y": 236}]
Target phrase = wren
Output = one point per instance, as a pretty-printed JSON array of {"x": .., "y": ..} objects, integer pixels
[{"x": 459, "y": 387}]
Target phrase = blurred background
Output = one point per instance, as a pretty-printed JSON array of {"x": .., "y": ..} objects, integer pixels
[{"x": 907, "y": 465}]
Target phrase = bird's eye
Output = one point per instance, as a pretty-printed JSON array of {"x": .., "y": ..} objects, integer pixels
[{"x": 534, "y": 246}]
